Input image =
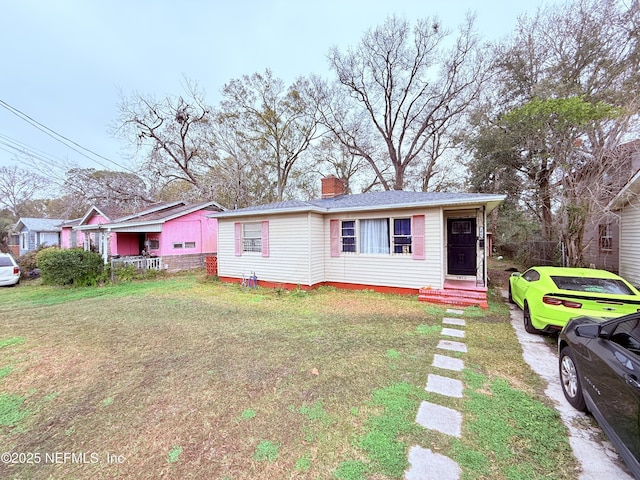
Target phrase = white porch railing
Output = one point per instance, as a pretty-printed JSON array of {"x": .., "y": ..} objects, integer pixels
[{"x": 139, "y": 262}]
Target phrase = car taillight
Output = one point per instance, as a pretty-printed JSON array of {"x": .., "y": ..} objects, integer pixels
[
  {"x": 16, "y": 270},
  {"x": 559, "y": 301}
]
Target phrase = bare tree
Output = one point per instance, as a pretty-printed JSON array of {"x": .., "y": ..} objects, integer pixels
[
  {"x": 276, "y": 123},
  {"x": 333, "y": 158},
  {"x": 400, "y": 94},
  {"x": 240, "y": 179},
  {"x": 19, "y": 186},
  {"x": 122, "y": 191},
  {"x": 171, "y": 135}
]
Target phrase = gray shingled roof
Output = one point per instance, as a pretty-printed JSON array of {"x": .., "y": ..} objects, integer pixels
[
  {"x": 41, "y": 224},
  {"x": 368, "y": 201}
]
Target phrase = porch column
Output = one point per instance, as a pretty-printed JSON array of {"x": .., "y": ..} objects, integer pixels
[{"x": 105, "y": 245}]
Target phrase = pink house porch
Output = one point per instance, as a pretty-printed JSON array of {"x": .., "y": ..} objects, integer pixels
[{"x": 171, "y": 236}]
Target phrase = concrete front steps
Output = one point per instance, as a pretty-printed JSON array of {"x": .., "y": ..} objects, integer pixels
[{"x": 458, "y": 293}]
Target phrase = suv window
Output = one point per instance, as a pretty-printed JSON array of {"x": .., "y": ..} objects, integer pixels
[
  {"x": 627, "y": 335},
  {"x": 5, "y": 262}
]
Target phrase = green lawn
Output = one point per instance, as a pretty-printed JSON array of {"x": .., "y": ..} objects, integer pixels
[{"x": 183, "y": 377}]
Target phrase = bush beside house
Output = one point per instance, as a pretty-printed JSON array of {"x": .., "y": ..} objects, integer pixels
[{"x": 70, "y": 266}]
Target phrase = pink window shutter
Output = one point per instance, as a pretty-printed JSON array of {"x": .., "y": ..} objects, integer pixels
[
  {"x": 334, "y": 233},
  {"x": 238, "y": 238},
  {"x": 417, "y": 234},
  {"x": 265, "y": 238}
]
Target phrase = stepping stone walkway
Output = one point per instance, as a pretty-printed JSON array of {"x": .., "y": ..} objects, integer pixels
[{"x": 425, "y": 464}]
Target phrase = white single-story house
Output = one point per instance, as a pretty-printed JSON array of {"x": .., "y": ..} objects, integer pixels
[
  {"x": 626, "y": 205},
  {"x": 392, "y": 241}
]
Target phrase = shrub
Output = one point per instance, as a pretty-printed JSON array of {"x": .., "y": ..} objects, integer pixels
[
  {"x": 69, "y": 267},
  {"x": 27, "y": 261},
  {"x": 125, "y": 273}
]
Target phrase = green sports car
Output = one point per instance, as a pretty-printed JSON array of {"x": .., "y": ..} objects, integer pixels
[{"x": 550, "y": 296}]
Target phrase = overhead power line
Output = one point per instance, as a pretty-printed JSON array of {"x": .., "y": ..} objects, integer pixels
[
  {"x": 61, "y": 138},
  {"x": 43, "y": 163}
]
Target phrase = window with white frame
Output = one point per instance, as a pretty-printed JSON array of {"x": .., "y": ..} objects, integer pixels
[
  {"x": 378, "y": 236},
  {"x": 606, "y": 240},
  {"x": 154, "y": 244},
  {"x": 348, "y": 236},
  {"x": 374, "y": 236},
  {"x": 401, "y": 235},
  {"x": 252, "y": 237},
  {"x": 175, "y": 244}
]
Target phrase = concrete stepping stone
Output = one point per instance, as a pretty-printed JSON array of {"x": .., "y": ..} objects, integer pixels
[
  {"x": 442, "y": 419},
  {"x": 448, "y": 363},
  {"x": 426, "y": 464},
  {"x": 455, "y": 311},
  {"x": 453, "y": 346},
  {"x": 449, "y": 387},
  {"x": 452, "y": 332},
  {"x": 454, "y": 321}
]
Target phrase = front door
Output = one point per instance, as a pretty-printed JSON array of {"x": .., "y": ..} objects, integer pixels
[{"x": 461, "y": 250}]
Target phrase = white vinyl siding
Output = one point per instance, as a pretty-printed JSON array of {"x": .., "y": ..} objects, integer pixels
[
  {"x": 289, "y": 249},
  {"x": 389, "y": 270},
  {"x": 316, "y": 248},
  {"x": 300, "y": 252},
  {"x": 629, "y": 241}
]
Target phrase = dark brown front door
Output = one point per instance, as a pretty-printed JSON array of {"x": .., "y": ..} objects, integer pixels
[{"x": 461, "y": 250}]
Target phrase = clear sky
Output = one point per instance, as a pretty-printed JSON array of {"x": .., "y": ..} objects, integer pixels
[{"x": 64, "y": 62}]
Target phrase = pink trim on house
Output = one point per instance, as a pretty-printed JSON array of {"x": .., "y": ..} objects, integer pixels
[
  {"x": 265, "y": 238},
  {"x": 334, "y": 233},
  {"x": 417, "y": 231}
]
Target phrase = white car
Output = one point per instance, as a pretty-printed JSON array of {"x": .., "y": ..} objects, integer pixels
[{"x": 9, "y": 270}]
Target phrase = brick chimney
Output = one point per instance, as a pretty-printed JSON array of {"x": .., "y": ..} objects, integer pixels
[{"x": 332, "y": 186}]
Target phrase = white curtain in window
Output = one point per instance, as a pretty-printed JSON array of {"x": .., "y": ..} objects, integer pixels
[{"x": 374, "y": 236}]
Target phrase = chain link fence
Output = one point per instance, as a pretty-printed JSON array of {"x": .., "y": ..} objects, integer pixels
[{"x": 535, "y": 252}]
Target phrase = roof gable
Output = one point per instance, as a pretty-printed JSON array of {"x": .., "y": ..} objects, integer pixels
[
  {"x": 92, "y": 212},
  {"x": 40, "y": 224},
  {"x": 163, "y": 214}
]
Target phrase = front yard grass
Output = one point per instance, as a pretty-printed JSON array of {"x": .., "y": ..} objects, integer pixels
[{"x": 187, "y": 378}]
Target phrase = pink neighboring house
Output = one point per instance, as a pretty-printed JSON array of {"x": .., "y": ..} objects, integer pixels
[
  {"x": 73, "y": 235},
  {"x": 171, "y": 236}
]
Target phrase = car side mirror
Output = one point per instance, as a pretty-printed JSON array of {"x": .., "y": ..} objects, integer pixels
[
  {"x": 515, "y": 274},
  {"x": 588, "y": 331}
]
